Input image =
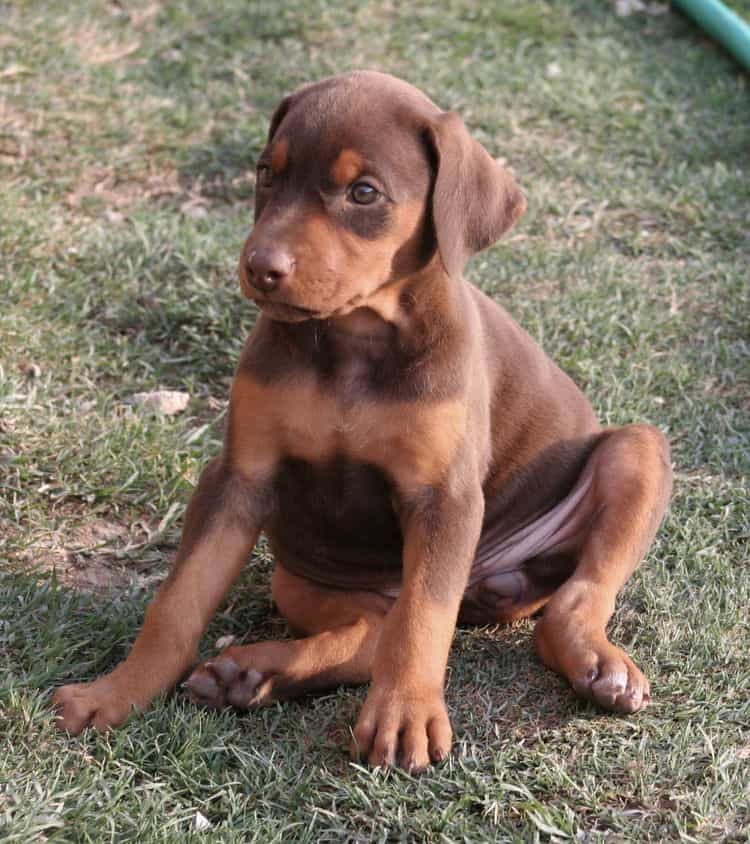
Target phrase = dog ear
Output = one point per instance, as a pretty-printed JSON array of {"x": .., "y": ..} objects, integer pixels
[
  {"x": 281, "y": 111},
  {"x": 474, "y": 200},
  {"x": 283, "y": 108}
]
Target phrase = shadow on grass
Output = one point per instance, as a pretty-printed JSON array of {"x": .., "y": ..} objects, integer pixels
[{"x": 496, "y": 684}]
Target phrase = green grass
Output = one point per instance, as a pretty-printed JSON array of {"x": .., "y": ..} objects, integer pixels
[{"x": 127, "y": 140}]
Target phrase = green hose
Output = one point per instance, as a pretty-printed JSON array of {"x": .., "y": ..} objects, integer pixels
[{"x": 722, "y": 24}]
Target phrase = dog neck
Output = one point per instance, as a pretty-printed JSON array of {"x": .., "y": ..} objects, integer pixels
[{"x": 402, "y": 329}]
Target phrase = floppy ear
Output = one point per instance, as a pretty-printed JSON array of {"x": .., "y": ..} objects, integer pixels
[
  {"x": 475, "y": 200},
  {"x": 281, "y": 111},
  {"x": 283, "y": 107}
]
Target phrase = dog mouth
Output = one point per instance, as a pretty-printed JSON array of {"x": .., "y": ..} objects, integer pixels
[{"x": 287, "y": 313}]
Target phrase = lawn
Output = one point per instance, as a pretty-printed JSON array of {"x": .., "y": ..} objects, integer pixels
[{"x": 128, "y": 134}]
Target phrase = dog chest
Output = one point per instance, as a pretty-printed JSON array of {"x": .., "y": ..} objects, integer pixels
[
  {"x": 336, "y": 520},
  {"x": 412, "y": 443}
]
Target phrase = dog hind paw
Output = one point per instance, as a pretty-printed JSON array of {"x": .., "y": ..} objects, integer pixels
[
  {"x": 596, "y": 669},
  {"x": 612, "y": 680}
]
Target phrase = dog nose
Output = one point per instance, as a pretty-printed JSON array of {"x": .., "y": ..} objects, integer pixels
[{"x": 268, "y": 267}]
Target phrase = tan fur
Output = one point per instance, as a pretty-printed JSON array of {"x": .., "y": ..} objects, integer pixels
[
  {"x": 412, "y": 443},
  {"x": 346, "y": 167},
  {"x": 280, "y": 156}
]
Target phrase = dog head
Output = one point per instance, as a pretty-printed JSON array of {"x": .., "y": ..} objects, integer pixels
[{"x": 365, "y": 182}]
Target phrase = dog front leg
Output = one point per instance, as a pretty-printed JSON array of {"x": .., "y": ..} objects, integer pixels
[
  {"x": 404, "y": 718},
  {"x": 222, "y": 524}
]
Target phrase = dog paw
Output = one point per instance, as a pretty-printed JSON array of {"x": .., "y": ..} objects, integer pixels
[
  {"x": 609, "y": 677},
  {"x": 602, "y": 673},
  {"x": 98, "y": 705},
  {"x": 223, "y": 682},
  {"x": 407, "y": 730},
  {"x": 596, "y": 669}
]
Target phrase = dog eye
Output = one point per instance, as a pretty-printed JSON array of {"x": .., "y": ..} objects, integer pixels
[
  {"x": 265, "y": 175},
  {"x": 363, "y": 194}
]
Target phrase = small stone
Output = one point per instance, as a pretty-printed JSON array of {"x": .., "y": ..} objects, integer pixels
[
  {"x": 162, "y": 402},
  {"x": 625, "y": 8},
  {"x": 194, "y": 210}
]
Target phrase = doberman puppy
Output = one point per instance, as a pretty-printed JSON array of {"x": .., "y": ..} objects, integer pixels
[{"x": 412, "y": 455}]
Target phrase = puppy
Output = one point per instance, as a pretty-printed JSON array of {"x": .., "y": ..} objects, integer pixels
[{"x": 412, "y": 455}]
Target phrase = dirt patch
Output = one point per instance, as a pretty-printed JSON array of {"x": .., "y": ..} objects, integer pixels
[
  {"x": 96, "y": 46},
  {"x": 134, "y": 173},
  {"x": 94, "y": 49},
  {"x": 101, "y": 555},
  {"x": 102, "y": 185},
  {"x": 16, "y": 128}
]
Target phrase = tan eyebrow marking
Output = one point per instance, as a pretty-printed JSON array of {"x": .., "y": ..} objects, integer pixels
[
  {"x": 280, "y": 156},
  {"x": 346, "y": 167}
]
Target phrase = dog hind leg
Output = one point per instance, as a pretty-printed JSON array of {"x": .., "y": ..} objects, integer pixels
[{"x": 631, "y": 487}]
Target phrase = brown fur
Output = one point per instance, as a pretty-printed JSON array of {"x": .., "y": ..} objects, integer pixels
[{"x": 408, "y": 449}]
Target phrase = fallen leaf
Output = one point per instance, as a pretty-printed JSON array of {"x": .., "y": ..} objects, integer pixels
[
  {"x": 13, "y": 70},
  {"x": 201, "y": 822}
]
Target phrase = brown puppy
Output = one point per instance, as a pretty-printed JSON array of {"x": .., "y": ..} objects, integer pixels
[{"x": 412, "y": 455}]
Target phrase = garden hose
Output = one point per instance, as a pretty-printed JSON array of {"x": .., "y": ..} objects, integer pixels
[{"x": 722, "y": 24}]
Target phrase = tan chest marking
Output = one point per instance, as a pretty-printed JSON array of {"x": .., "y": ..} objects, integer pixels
[{"x": 412, "y": 442}]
